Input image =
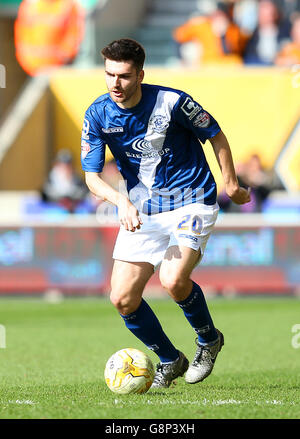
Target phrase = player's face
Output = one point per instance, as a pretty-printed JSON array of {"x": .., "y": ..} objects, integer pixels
[{"x": 123, "y": 82}]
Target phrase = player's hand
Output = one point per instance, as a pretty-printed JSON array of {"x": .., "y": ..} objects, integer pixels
[
  {"x": 240, "y": 195},
  {"x": 128, "y": 215}
]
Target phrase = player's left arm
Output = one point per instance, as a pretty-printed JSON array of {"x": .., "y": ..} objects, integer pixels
[
  {"x": 191, "y": 115},
  {"x": 236, "y": 193}
]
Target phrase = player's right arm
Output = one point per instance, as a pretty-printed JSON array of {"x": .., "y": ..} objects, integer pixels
[
  {"x": 127, "y": 212},
  {"x": 92, "y": 160}
]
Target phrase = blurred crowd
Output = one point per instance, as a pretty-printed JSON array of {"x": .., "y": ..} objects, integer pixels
[
  {"x": 64, "y": 190},
  {"x": 251, "y": 32},
  {"x": 252, "y": 174}
]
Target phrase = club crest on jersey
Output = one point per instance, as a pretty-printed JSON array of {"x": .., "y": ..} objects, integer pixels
[
  {"x": 159, "y": 123},
  {"x": 202, "y": 120},
  {"x": 190, "y": 108}
]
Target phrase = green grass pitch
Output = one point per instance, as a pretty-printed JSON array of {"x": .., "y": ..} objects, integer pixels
[{"x": 52, "y": 365}]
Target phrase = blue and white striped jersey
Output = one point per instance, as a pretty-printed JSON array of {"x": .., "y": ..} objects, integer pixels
[{"x": 156, "y": 147}]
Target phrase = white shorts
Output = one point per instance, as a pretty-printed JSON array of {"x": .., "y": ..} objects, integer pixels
[{"x": 188, "y": 226}]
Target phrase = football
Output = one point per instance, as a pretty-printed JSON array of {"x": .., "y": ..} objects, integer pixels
[{"x": 129, "y": 371}]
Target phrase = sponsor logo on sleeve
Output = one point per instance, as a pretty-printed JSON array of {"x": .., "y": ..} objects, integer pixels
[
  {"x": 190, "y": 108},
  {"x": 202, "y": 120},
  {"x": 85, "y": 148}
]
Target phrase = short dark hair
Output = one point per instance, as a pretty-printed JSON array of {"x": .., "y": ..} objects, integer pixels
[{"x": 125, "y": 49}]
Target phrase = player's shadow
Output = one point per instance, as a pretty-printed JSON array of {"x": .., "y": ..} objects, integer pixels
[
  {"x": 163, "y": 392},
  {"x": 173, "y": 253}
]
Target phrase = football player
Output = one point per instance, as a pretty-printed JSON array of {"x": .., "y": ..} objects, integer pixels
[{"x": 156, "y": 134}]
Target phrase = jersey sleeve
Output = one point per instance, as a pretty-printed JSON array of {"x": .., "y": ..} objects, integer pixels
[
  {"x": 92, "y": 144},
  {"x": 192, "y": 116}
]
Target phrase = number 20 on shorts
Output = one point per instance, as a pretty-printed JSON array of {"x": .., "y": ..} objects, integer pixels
[{"x": 191, "y": 223}]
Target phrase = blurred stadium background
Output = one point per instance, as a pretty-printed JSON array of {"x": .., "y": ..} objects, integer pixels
[{"x": 61, "y": 242}]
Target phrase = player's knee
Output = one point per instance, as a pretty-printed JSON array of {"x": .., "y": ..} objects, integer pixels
[
  {"x": 174, "y": 284},
  {"x": 124, "y": 303},
  {"x": 120, "y": 302}
]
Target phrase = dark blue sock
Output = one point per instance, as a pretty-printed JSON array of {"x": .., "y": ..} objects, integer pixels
[
  {"x": 196, "y": 311},
  {"x": 144, "y": 324}
]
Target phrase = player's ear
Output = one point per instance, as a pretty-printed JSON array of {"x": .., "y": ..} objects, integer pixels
[{"x": 141, "y": 75}]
